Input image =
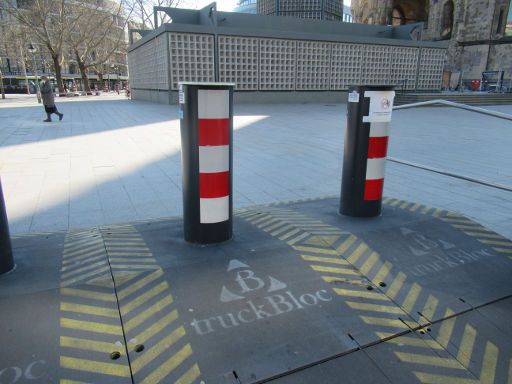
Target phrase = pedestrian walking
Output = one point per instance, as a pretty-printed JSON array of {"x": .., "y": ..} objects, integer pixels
[{"x": 49, "y": 100}]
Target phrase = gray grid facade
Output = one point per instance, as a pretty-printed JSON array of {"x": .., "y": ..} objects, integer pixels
[{"x": 305, "y": 9}]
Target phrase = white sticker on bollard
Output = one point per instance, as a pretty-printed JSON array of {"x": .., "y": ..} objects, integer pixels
[{"x": 381, "y": 106}]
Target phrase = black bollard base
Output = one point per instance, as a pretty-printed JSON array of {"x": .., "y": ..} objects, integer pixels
[{"x": 6, "y": 259}]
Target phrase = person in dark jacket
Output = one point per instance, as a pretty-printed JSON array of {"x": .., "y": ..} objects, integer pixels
[{"x": 49, "y": 100}]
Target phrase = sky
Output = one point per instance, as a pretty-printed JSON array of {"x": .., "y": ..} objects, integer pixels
[{"x": 222, "y": 5}]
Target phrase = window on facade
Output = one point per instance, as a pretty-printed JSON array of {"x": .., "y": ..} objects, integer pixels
[
  {"x": 508, "y": 26},
  {"x": 447, "y": 20},
  {"x": 397, "y": 16}
]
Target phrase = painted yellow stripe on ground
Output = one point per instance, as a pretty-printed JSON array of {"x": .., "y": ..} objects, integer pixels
[
  {"x": 383, "y": 321},
  {"x": 438, "y": 212},
  {"x": 322, "y": 251},
  {"x": 141, "y": 299},
  {"x": 489, "y": 364},
  {"x": 383, "y": 272},
  {"x": 89, "y": 310},
  {"x": 84, "y": 277},
  {"x": 369, "y": 263},
  {"x": 260, "y": 219},
  {"x": 343, "y": 271},
  {"x": 495, "y": 242},
  {"x": 76, "y": 269},
  {"x": 127, "y": 253},
  {"x": 280, "y": 223},
  {"x": 404, "y": 205},
  {"x": 343, "y": 247},
  {"x": 330, "y": 279},
  {"x": 396, "y": 285},
  {"x": 411, "y": 298},
  {"x": 119, "y": 370},
  {"x": 471, "y": 227},
  {"x": 358, "y": 252},
  {"x": 91, "y": 326},
  {"x": 459, "y": 220},
  {"x": 153, "y": 352},
  {"x": 432, "y": 378},
  {"x": 466, "y": 346},
  {"x": 484, "y": 234},
  {"x": 330, "y": 260},
  {"x": 108, "y": 297},
  {"x": 167, "y": 367},
  {"x": 410, "y": 341},
  {"x": 289, "y": 234},
  {"x": 503, "y": 250},
  {"x": 282, "y": 229},
  {"x": 139, "y": 284},
  {"x": 131, "y": 260},
  {"x": 446, "y": 329},
  {"x": 430, "y": 307},
  {"x": 64, "y": 381},
  {"x": 444, "y": 362},
  {"x": 395, "y": 202},
  {"x": 298, "y": 238},
  {"x": 190, "y": 376},
  {"x": 156, "y": 327},
  {"x": 386, "y": 200},
  {"x": 89, "y": 345},
  {"x": 89, "y": 248},
  {"x": 375, "y": 307},
  {"x": 425, "y": 210},
  {"x": 132, "y": 266},
  {"x": 415, "y": 207},
  {"x": 67, "y": 262},
  {"x": 146, "y": 314},
  {"x": 362, "y": 294}
]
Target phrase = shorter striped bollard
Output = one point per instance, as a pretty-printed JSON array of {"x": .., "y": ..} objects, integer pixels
[
  {"x": 366, "y": 140},
  {"x": 206, "y": 121}
]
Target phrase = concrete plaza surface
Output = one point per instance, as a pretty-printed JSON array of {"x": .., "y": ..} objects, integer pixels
[{"x": 113, "y": 160}]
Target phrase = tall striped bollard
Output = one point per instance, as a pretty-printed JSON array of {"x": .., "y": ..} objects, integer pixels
[
  {"x": 6, "y": 259},
  {"x": 366, "y": 140},
  {"x": 206, "y": 121}
]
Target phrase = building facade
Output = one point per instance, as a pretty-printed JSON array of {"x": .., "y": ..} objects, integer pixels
[
  {"x": 264, "y": 56},
  {"x": 246, "y": 6},
  {"x": 479, "y": 32},
  {"x": 304, "y": 9}
]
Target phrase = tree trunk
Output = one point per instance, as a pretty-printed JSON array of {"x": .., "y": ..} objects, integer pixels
[
  {"x": 58, "y": 72},
  {"x": 83, "y": 73}
]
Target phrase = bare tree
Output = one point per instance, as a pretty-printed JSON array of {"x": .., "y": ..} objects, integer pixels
[
  {"x": 47, "y": 22},
  {"x": 14, "y": 46},
  {"x": 143, "y": 11}
]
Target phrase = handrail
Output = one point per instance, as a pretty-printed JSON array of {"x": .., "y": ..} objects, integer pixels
[{"x": 483, "y": 111}]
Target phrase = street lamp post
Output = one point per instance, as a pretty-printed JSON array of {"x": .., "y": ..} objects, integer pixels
[{"x": 33, "y": 50}]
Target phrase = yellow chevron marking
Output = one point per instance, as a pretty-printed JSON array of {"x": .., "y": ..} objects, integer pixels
[
  {"x": 386, "y": 200},
  {"x": 108, "y": 297},
  {"x": 470, "y": 227},
  {"x": 91, "y": 326},
  {"x": 411, "y": 297},
  {"x": 369, "y": 263},
  {"x": 446, "y": 329},
  {"x": 139, "y": 284},
  {"x": 280, "y": 223},
  {"x": 89, "y": 310},
  {"x": 435, "y": 361},
  {"x": 261, "y": 219},
  {"x": 425, "y": 210},
  {"x": 430, "y": 307},
  {"x": 343, "y": 247},
  {"x": 289, "y": 234},
  {"x": 302, "y": 236},
  {"x": 404, "y": 205},
  {"x": 375, "y": 307},
  {"x": 490, "y": 361},
  {"x": 190, "y": 376},
  {"x": 89, "y": 345},
  {"x": 383, "y": 321},
  {"x": 383, "y": 272},
  {"x": 64, "y": 381},
  {"x": 438, "y": 212},
  {"x": 330, "y": 279},
  {"x": 84, "y": 277},
  {"x": 345, "y": 271},
  {"x": 415, "y": 207},
  {"x": 94, "y": 366},
  {"x": 487, "y": 235},
  {"x": 127, "y": 308},
  {"x": 282, "y": 229},
  {"x": 153, "y": 352},
  {"x": 265, "y": 224},
  {"x": 503, "y": 250},
  {"x": 131, "y": 260},
  {"x": 323, "y": 240},
  {"x": 396, "y": 285},
  {"x": 72, "y": 270},
  {"x": 409, "y": 341},
  {"x": 127, "y": 266},
  {"x": 363, "y": 294},
  {"x": 146, "y": 314},
  {"x": 432, "y": 378},
  {"x": 66, "y": 262},
  {"x": 395, "y": 202},
  {"x": 354, "y": 256},
  {"x": 330, "y": 260},
  {"x": 322, "y": 251},
  {"x": 494, "y": 242},
  {"x": 84, "y": 252},
  {"x": 459, "y": 220},
  {"x": 466, "y": 345},
  {"x": 167, "y": 367},
  {"x": 156, "y": 327},
  {"x": 129, "y": 253}
]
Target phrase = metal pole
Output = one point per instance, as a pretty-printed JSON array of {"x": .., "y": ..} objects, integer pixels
[
  {"x": 37, "y": 80},
  {"x": 2, "y": 84},
  {"x": 366, "y": 139},
  {"x": 206, "y": 122},
  {"x": 6, "y": 259}
]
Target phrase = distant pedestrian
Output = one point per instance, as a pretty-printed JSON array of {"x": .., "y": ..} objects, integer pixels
[{"x": 49, "y": 100}]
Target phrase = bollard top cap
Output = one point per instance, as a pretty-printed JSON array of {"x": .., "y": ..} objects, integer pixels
[{"x": 207, "y": 84}]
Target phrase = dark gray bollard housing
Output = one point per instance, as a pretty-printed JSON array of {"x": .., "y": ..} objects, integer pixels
[
  {"x": 366, "y": 140},
  {"x": 206, "y": 122},
  {"x": 6, "y": 259}
]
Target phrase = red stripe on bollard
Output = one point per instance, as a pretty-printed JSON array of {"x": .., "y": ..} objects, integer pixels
[
  {"x": 213, "y": 132},
  {"x": 213, "y": 185},
  {"x": 373, "y": 189},
  {"x": 377, "y": 147}
]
